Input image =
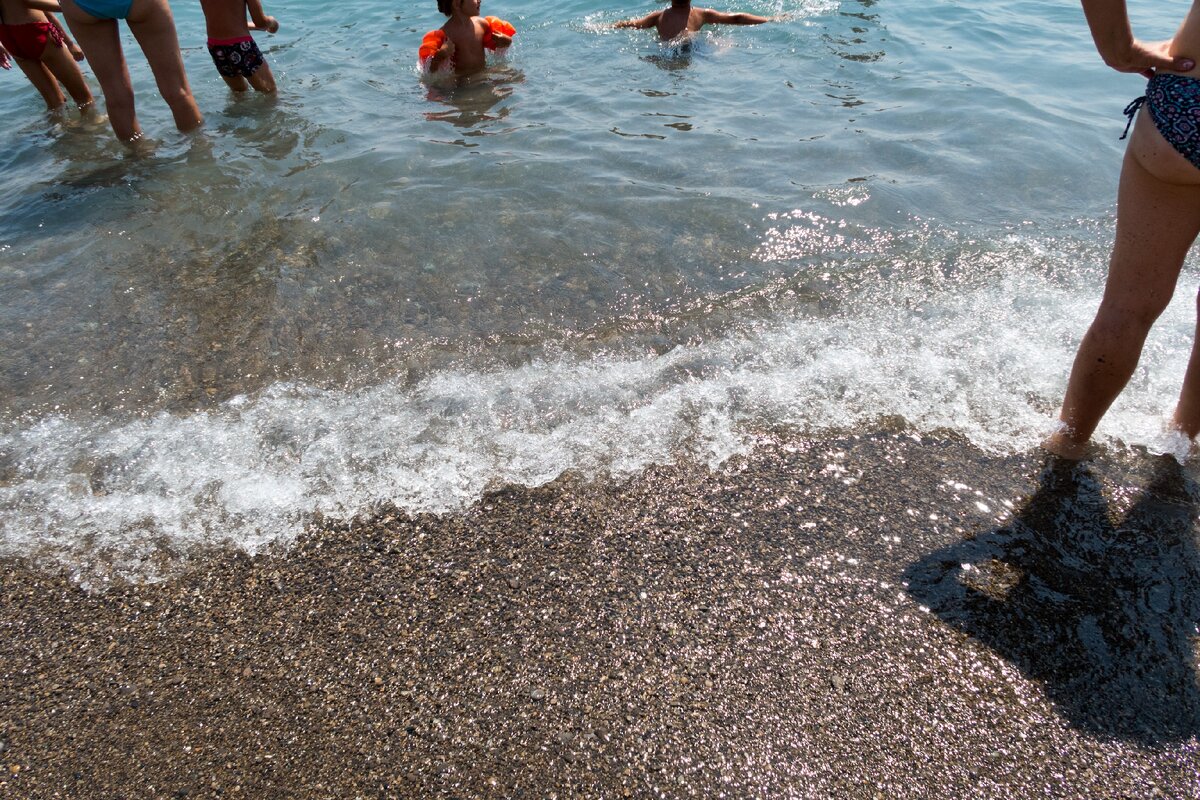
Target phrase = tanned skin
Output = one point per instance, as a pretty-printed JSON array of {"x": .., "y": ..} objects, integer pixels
[
  {"x": 682, "y": 18},
  {"x": 464, "y": 38}
]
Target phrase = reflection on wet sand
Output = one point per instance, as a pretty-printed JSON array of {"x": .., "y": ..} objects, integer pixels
[{"x": 1101, "y": 611}]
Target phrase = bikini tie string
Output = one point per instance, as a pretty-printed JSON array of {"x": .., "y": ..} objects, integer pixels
[{"x": 1131, "y": 112}]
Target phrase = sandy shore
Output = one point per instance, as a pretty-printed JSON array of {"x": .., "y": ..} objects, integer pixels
[{"x": 799, "y": 623}]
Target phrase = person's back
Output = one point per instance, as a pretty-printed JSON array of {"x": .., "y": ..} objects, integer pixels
[
  {"x": 1187, "y": 38},
  {"x": 681, "y": 17},
  {"x": 465, "y": 38},
  {"x": 678, "y": 19}
]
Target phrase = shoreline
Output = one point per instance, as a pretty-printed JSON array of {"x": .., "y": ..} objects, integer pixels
[{"x": 795, "y": 623}]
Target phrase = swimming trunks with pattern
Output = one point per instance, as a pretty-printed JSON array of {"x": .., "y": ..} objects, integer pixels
[
  {"x": 234, "y": 58},
  {"x": 106, "y": 9}
]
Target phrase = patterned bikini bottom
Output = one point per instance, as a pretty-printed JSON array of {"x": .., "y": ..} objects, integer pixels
[{"x": 1174, "y": 103}]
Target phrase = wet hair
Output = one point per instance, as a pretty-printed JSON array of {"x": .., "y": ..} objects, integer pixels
[{"x": 444, "y": 6}]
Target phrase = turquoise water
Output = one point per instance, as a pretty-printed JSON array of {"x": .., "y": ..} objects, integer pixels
[{"x": 601, "y": 254}]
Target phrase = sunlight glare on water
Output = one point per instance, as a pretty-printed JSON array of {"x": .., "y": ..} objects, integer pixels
[{"x": 603, "y": 253}]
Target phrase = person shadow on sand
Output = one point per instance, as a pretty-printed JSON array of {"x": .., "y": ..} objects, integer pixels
[{"x": 1102, "y": 613}]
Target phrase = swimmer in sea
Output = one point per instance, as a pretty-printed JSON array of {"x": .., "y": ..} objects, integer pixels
[
  {"x": 1158, "y": 219},
  {"x": 464, "y": 39},
  {"x": 682, "y": 18}
]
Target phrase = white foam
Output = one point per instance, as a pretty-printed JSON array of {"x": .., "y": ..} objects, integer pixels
[{"x": 985, "y": 357}]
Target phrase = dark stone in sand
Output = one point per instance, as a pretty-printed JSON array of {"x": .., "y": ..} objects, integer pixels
[{"x": 772, "y": 628}]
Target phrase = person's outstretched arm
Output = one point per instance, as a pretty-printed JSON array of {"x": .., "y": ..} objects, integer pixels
[
  {"x": 1109, "y": 23},
  {"x": 718, "y": 18},
  {"x": 648, "y": 21},
  {"x": 50, "y": 6}
]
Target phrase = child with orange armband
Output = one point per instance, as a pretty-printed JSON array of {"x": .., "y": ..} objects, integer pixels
[{"x": 463, "y": 40}]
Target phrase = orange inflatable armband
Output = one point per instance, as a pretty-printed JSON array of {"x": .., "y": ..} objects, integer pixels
[
  {"x": 432, "y": 42},
  {"x": 496, "y": 25},
  {"x": 500, "y": 26}
]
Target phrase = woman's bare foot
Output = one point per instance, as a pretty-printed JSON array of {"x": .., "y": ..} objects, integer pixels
[{"x": 1063, "y": 446}]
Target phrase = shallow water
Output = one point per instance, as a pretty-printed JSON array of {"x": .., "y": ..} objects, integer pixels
[{"x": 601, "y": 254}]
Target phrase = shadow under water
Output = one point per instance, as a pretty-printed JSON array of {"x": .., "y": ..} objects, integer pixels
[
  {"x": 675, "y": 55},
  {"x": 1102, "y": 612},
  {"x": 469, "y": 101}
]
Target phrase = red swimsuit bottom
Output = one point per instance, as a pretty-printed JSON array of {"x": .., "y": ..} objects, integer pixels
[{"x": 28, "y": 41}]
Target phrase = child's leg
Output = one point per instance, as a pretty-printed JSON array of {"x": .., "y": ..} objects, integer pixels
[
  {"x": 263, "y": 79},
  {"x": 237, "y": 83},
  {"x": 154, "y": 28},
  {"x": 101, "y": 42},
  {"x": 43, "y": 81},
  {"x": 75, "y": 50},
  {"x": 63, "y": 66}
]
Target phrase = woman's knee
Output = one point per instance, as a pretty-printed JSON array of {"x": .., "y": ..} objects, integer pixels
[{"x": 1127, "y": 320}]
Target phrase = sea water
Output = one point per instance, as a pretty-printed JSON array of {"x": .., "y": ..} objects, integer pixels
[{"x": 601, "y": 254}]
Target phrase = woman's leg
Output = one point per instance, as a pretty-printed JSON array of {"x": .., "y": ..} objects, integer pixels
[
  {"x": 60, "y": 62},
  {"x": 43, "y": 81},
  {"x": 1187, "y": 413},
  {"x": 1158, "y": 218},
  {"x": 101, "y": 43},
  {"x": 154, "y": 28}
]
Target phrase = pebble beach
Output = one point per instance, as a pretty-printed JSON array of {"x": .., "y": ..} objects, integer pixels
[
  {"x": 627, "y": 420},
  {"x": 801, "y": 622}
]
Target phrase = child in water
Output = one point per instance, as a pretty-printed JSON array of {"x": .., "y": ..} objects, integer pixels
[
  {"x": 463, "y": 40},
  {"x": 231, "y": 46},
  {"x": 681, "y": 18},
  {"x": 31, "y": 34}
]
